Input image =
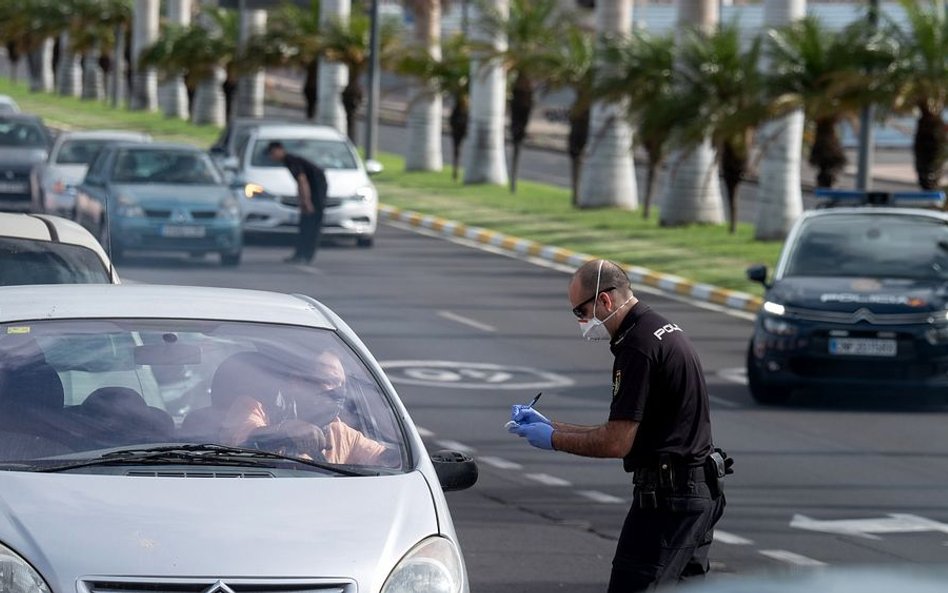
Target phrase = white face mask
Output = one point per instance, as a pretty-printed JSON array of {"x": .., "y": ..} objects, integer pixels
[{"x": 594, "y": 330}]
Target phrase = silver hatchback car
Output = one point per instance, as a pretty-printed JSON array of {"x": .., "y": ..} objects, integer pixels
[{"x": 202, "y": 440}]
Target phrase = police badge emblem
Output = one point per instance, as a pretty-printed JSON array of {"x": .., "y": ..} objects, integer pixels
[{"x": 615, "y": 383}]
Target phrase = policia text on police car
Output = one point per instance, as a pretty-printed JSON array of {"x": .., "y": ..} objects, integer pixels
[{"x": 659, "y": 424}]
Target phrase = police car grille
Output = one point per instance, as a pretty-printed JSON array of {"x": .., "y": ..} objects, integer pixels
[
  {"x": 126, "y": 585},
  {"x": 858, "y": 316}
]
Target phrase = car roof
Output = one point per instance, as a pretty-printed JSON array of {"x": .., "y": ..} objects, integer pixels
[
  {"x": 874, "y": 211},
  {"x": 278, "y": 131},
  {"x": 21, "y": 117},
  {"x": 148, "y": 301},
  {"x": 117, "y": 135},
  {"x": 155, "y": 146},
  {"x": 45, "y": 227}
]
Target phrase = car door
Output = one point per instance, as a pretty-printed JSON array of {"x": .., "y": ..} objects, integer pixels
[{"x": 92, "y": 194}]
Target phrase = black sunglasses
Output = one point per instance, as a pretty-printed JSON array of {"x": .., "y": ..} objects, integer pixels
[{"x": 578, "y": 309}]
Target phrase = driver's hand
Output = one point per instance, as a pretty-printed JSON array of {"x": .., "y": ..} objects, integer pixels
[{"x": 306, "y": 438}]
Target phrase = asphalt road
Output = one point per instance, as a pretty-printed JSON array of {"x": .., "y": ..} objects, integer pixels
[{"x": 436, "y": 312}]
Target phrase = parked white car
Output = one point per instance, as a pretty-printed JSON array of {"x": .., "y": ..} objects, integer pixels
[
  {"x": 8, "y": 104},
  {"x": 43, "y": 249},
  {"x": 54, "y": 186},
  {"x": 206, "y": 440},
  {"x": 268, "y": 193}
]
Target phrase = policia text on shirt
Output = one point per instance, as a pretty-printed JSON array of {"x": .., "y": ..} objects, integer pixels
[{"x": 659, "y": 424}]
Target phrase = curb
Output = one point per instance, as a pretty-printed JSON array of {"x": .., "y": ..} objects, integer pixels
[{"x": 668, "y": 283}]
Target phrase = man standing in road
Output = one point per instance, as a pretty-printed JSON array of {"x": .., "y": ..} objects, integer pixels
[
  {"x": 659, "y": 424},
  {"x": 312, "y": 188}
]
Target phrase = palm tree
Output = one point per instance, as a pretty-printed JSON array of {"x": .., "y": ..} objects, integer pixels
[
  {"x": 450, "y": 76},
  {"x": 173, "y": 92},
  {"x": 250, "y": 85},
  {"x": 722, "y": 99},
  {"x": 570, "y": 66},
  {"x": 348, "y": 43},
  {"x": 424, "y": 120},
  {"x": 484, "y": 157},
  {"x": 532, "y": 28},
  {"x": 779, "y": 193},
  {"x": 692, "y": 192},
  {"x": 333, "y": 77},
  {"x": 92, "y": 36},
  {"x": 69, "y": 68},
  {"x": 144, "y": 33},
  {"x": 920, "y": 82},
  {"x": 30, "y": 26},
  {"x": 642, "y": 76}
]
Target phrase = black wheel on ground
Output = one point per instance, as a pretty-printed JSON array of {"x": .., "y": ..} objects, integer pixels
[
  {"x": 365, "y": 241},
  {"x": 230, "y": 259},
  {"x": 759, "y": 390}
]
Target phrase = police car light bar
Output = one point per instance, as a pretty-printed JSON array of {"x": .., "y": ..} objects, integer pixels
[{"x": 839, "y": 197}]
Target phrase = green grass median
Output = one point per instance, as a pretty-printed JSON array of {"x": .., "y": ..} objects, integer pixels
[{"x": 537, "y": 211}]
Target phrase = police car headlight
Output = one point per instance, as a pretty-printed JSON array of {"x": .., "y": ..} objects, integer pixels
[
  {"x": 433, "y": 566},
  {"x": 779, "y": 327},
  {"x": 774, "y": 308},
  {"x": 17, "y": 576},
  {"x": 938, "y": 335}
]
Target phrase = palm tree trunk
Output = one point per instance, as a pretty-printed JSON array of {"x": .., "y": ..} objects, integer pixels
[
  {"x": 930, "y": 148},
  {"x": 333, "y": 76},
  {"x": 485, "y": 160},
  {"x": 692, "y": 192},
  {"x": 40, "y": 65},
  {"x": 309, "y": 88},
  {"x": 608, "y": 175},
  {"x": 521, "y": 105},
  {"x": 93, "y": 79},
  {"x": 733, "y": 165},
  {"x": 779, "y": 191},
  {"x": 250, "y": 89},
  {"x": 69, "y": 73},
  {"x": 827, "y": 152},
  {"x": 458, "y": 122},
  {"x": 578, "y": 137},
  {"x": 173, "y": 94},
  {"x": 655, "y": 156},
  {"x": 425, "y": 107},
  {"x": 209, "y": 102},
  {"x": 144, "y": 33},
  {"x": 352, "y": 97},
  {"x": 13, "y": 55}
]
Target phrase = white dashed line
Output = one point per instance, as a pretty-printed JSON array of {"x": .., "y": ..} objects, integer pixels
[
  {"x": 466, "y": 321},
  {"x": 723, "y": 402},
  {"x": 424, "y": 432},
  {"x": 500, "y": 463},
  {"x": 729, "y": 538},
  {"x": 600, "y": 497},
  {"x": 455, "y": 446},
  {"x": 791, "y": 558},
  {"x": 547, "y": 479}
]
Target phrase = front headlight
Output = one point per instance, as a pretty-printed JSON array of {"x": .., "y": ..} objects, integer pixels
[
  {"x": 17, "y": 576},
  {"x": 433, "y": 566},
  {"x": 253, "y": 190},
  {"x": 228, "y": 209},
  {"x": 363, "y": 194},
  {"x": 129, "y": 208},
  {"x": 779, "y": 327},
  {"x": 938, "y": 335}
]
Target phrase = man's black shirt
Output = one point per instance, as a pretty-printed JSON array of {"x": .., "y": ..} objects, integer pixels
[
  {"x": 658, "y": 382},
  {"x": 314, "y": 175}
]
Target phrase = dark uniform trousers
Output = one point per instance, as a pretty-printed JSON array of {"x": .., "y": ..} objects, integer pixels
[
  {"x": 308, "y": 240},
  {"x": 668, "y": 531}
]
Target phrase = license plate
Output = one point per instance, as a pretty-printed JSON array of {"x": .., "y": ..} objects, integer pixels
[
  {"x": 13, "y": 187},
  {"x": 863, "y": 347},
  {"x": 178, "y": 231}
]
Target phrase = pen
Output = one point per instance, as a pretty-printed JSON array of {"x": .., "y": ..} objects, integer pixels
[{"x": 536, "y": 399}]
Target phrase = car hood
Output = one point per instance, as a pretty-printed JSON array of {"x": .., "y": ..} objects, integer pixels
[
  {"x": 851, "y": 294},
  {"x": 303, "y": 527},
  {"x": 173, "y": 195},
  {"x": 68, "y": 174},
  {"x": 278, "y": 181},
  {"x": 19, "y": 156}
]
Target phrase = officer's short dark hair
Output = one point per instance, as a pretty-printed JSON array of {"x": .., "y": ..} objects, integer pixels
[
  {"x": 612, "y": 275},
  {"x": 276, "y": 144}
]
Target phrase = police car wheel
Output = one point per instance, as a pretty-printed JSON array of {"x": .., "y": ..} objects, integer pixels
[{"x": 759, "y": 390}]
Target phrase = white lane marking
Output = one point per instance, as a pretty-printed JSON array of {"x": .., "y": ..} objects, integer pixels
[
  {"x": 570, "y": 269},
  {"x": 466, "y": 321},
  {"x": 600, "y": 497},
  {"x": 310, "y": 270},
  {"x": 732, "y": 539},
  {"x": 867, "y": 528},
  {"x": 424, "y": 432},
  {"x": 791, "y": 558},
  {"x": 734, "y": 375},
  {"x": 446, "y": 444},
  {"x": 471, "y": 375},
  {"x": 547, "y": 479},
  {"x": 499, "y": 463},
  {"x": 723, "y": 402}
]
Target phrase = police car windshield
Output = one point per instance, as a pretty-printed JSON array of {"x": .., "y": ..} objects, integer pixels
[{"x": 871, "y": 245}]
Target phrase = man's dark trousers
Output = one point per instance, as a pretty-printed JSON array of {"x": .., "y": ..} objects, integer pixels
[
  {"x": 666, "y": 535},
  {"x": 308, "y": 239}
]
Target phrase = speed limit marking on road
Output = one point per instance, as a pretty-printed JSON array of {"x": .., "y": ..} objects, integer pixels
[{"x": 471, "y": 375}]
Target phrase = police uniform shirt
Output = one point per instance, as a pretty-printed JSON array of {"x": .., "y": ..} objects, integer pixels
[{"x": 658, "y": 382}]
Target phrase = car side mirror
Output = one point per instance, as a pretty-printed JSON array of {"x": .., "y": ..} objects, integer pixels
[
  {"x": 373, "y": 167},
  {"x": 456, "y": 470},
  {"x": 758, "y": 273},
  {"x": 230, "y": 163}
]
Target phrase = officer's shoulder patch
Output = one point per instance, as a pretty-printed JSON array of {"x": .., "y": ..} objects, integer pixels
[{"x": 615, "y": 383}]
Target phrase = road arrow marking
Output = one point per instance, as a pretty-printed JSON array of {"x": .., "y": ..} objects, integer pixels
[{"x": 867, "y": 528}]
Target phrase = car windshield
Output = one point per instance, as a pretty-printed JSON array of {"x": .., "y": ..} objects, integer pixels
[
  {"x": 26, "y": 261},
  {"x": 72, "y": 390},
  {"x": 164, "y": 166},
  {"x": 21, "y": 133},
  {"x": 871, "y": 245},
  {"x": 80, "y": 151},
  {"x": 328, "y": 154}
]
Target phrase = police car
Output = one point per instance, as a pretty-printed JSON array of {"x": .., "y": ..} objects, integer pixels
[{"x": 858, "y": 302}]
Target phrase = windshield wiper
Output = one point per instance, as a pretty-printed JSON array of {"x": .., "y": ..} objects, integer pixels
[{"x": 209, "y": 453}]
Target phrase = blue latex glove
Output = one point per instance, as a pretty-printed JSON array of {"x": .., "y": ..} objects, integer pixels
[
  {"x": 539, "y": 435},
  {"x": 522, "y": 414}
]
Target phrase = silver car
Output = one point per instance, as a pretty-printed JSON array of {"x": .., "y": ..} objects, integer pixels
[
  {"x": 54, "y": 187},
  {"x": 269, "y": 196},
  {"x": 157, "y": 438}
]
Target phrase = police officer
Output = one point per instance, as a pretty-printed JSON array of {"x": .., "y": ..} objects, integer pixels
[
  {"x": 659, "y": 424},
  {"x": 312, "y": 188}
]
